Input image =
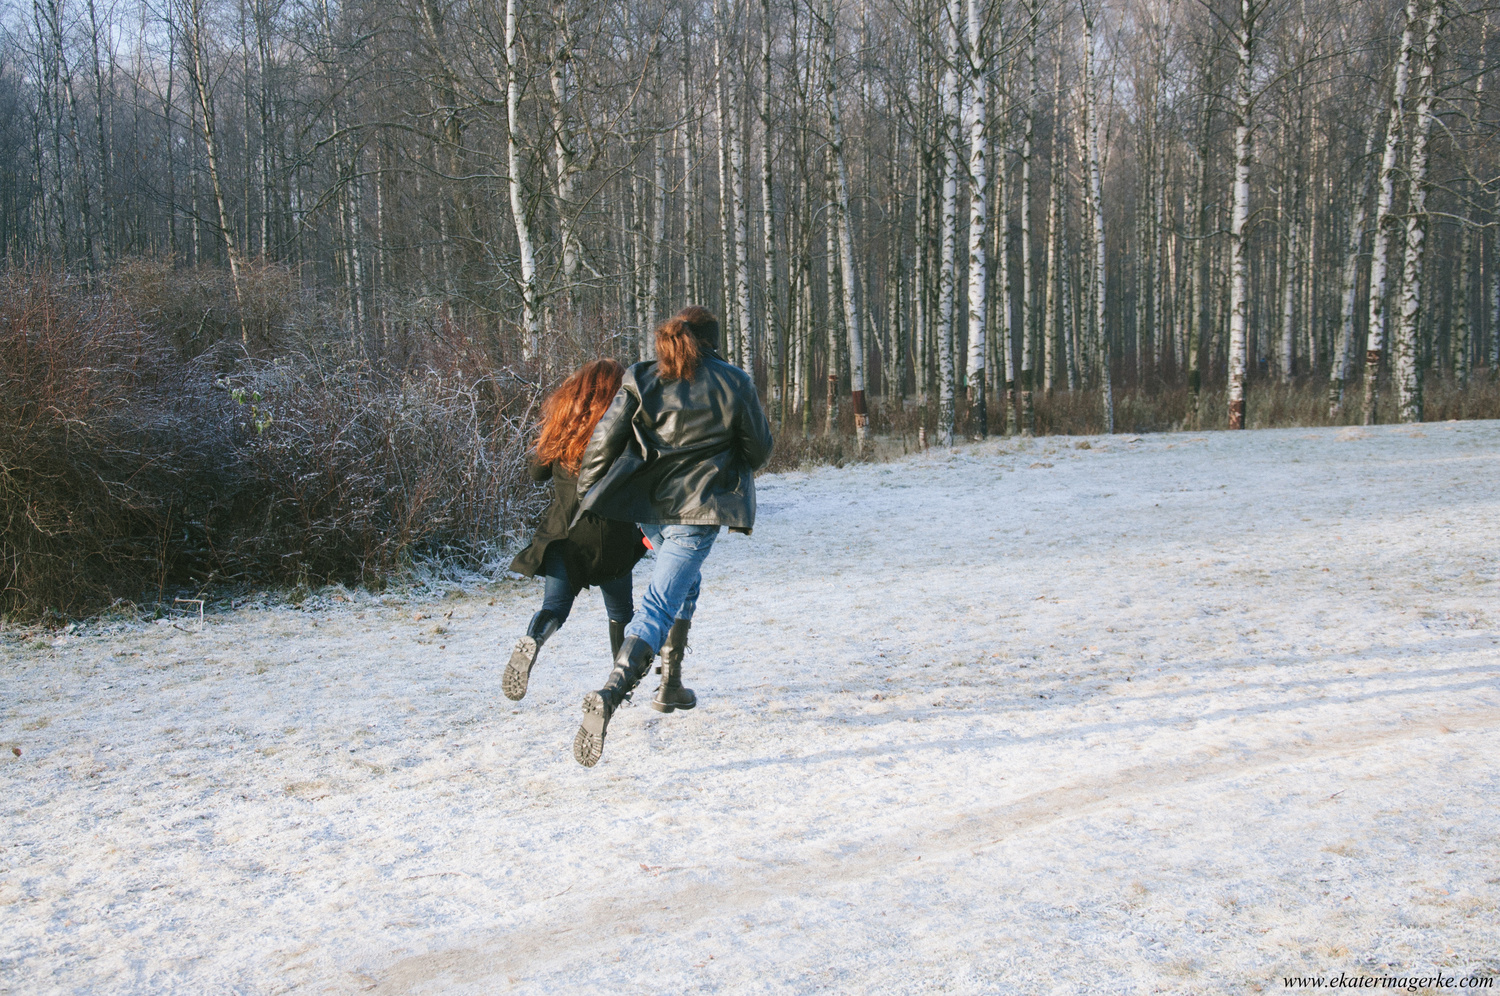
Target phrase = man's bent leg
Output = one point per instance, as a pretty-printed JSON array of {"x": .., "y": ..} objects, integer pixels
[{"x": 680, "y": 552}]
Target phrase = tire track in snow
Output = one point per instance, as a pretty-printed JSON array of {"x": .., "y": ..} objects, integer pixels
[{"x": 568, "y": 930}]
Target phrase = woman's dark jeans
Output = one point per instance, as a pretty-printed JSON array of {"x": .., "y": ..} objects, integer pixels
[{"x": 561, "y": 591}]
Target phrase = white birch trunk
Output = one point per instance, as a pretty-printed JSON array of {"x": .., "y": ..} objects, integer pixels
[
  {"x": 1198, "y": 287},
  {"x": 355, "y": 196},
  {"x": 745, "y": 357},
  {"x": 1408, "y": 360},
  {"x": 210, "y": 147},
  {"x": 1028, "y": 316},
  {"x": 1493, "y": 312},
  {"x": 919, "y": 291},
  {"x": 1006, "y": 329},
  {"x": 771, "y": 327},
  {"x": 1067, "y": 327},
  {"x": 1096, "y": 192},
  {"x": 564, "y": 153},
  {"x": 1051, "y": 292},
  {"x": 691, "y": 283},
  {"x": 1289, "y": 291},
  {"x": 840, "y": 208},
  {"x": 1385, "y": 221},
  {"x": 531, "y": 327},
  {"x": 833, "y": 292},
  {"x": 655, "y": 292},
  {"x": 948, "y": 272},
  {"x": 1160, "y": 326},
  {"x": 1240, "y": 214},
  {"x": 979, "y": 142},
  {"x": 726, "y": 208},
  {"x": 1350, "y": 289},
  {"x": 1494, "y": 357},
  {"x": 1461, "y": 320}
]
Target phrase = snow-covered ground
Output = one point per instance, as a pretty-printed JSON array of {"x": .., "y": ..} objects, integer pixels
[{"x": 1186, "y": 714}]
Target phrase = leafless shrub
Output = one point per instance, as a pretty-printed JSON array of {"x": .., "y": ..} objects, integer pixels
[
  {"x": 1448, "y": 399},
  {"x": 196, "y": 308},
  {"x": 102, "y": 486},
  {"x": 129, "y": 470},
  {"x": 793, "y": 450},
  {"x": 366, "y": 467}
]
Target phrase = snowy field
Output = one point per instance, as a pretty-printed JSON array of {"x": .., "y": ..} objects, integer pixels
[{"x": 1182, "y": 714}]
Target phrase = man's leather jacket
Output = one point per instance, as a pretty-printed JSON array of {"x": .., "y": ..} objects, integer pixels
[{"x": 678, "y": 451}]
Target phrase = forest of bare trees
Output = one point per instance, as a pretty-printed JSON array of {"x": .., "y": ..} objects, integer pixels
[{"x": 960, "y": 203}]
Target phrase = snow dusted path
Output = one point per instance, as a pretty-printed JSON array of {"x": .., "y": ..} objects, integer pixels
[{"x": 1182, "y": 715}]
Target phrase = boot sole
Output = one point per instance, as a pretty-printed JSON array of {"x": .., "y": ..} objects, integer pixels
[
  {"x": 588, "y": 745},
  {"x": 518, "y": 671}
]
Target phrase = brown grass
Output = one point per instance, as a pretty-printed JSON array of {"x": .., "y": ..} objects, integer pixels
[{"x": 1162, "y": 408}]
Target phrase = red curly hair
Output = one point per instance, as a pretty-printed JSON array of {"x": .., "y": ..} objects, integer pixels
[{"x": 570, "y": 413}]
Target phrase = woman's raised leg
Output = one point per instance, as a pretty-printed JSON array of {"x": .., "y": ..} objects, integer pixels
[{"x": 557, "y": 603}]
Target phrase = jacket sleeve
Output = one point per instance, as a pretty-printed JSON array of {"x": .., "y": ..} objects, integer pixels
[
  {"x": 609, "y": 439},
  {"x": 752, "y": 431}
]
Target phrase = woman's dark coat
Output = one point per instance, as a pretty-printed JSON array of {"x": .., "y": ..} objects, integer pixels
[
  {"x": 678, "y": 451},
  {"x": 594, "y": 549}
]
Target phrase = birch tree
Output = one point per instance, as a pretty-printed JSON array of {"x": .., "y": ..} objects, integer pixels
[
  {"x": 1385, "y": 219},
  {"x": 771, "y": 321},
  {"x": 518, "y": 208},
  {"x": 978, "y": 126},
  {"x": 1408, "y": 370},
  {"x": 1350, "y": 295},
  {"x": 1028, "y": 265},
  {"x": 1244, "y": 37},
  {"x": 948, "y": 276},
  {"x": 840, "y": 222},
  {"x": 1096, "y": 195}
]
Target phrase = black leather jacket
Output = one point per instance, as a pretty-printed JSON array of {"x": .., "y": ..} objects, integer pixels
[{"x": 678, "y": 451}]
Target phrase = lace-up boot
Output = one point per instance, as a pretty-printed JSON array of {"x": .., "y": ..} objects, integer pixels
[
  {"x": 631, "y": 665},
  {"x": 523, "y": 657},
  {"x": 671, "y": 695}
]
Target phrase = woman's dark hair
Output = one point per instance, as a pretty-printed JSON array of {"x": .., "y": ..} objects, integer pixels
[
  {"x": 682, "y": 340},
  {"x": 570, "y": 413}
]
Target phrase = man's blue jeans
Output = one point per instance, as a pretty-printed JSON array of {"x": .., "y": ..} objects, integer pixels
[{"x": 673, "y": 592}]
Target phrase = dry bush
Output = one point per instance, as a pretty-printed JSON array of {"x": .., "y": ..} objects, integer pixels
[
  {"x": 129, "y": 471},
  {"x": 792, "y": 450},
  {"x": 197, "y": 309},
  {"x": 366, "y": 469},
  {"x": 113, "y": 456},
  {"x": 1269, "y": 405},
  {"x": 1447, "y": 399},
  {"x": 149, "y": 448}
]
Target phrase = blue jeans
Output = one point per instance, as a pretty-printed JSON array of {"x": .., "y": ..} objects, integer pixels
[
  {"x": 561, "y": 590},
  {"x": 673, "y": 593}
]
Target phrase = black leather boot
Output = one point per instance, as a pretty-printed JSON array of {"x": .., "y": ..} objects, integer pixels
[
  {"x": 523, "y": 658},
  {"x": 671, "y": 695},
  {"x": 616, "y": 636},
  {"x": 631, "y": 665}
]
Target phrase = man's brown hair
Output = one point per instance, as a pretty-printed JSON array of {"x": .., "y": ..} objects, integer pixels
[{"x": 682, "y": 340}]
